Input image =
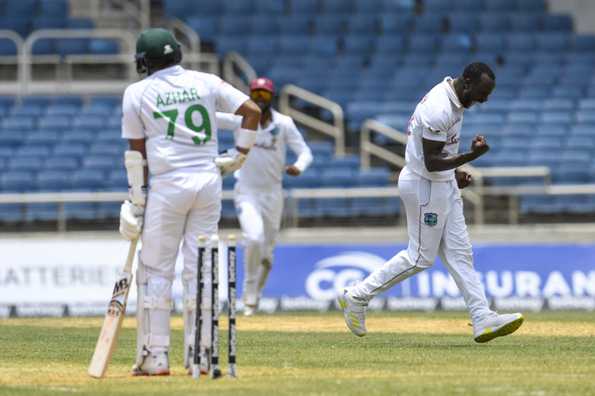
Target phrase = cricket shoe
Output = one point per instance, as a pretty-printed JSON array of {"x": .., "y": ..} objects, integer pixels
[
  {"x": 154, "y": 363},
  {"x": 496, "y": 326},
  {"x": 354, "y": 313},
  {"x": 249, "y": 310}
]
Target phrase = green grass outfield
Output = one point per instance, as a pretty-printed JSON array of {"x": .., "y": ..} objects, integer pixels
[{"x": 314, "y": 354}]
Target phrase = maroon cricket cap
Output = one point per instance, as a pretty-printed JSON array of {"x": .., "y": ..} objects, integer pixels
[{"x": 262, "y": 83}]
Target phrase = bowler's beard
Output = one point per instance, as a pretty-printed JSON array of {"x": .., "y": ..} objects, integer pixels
[{"x": 264, "y": 107}]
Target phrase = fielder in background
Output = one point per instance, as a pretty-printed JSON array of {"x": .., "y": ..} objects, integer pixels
[
  {"x": 258, "y": 189},
  {"x": 429, "y": 187},
  {"x": 169, "y": 117}
]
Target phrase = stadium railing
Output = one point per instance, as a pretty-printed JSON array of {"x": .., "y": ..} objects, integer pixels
[
  {"x": 368, "y": 149},
  {"x": 25, "y": 60},
  {"x": 237, "y": 71},
  {"x": 293, "y": 196},
  {"x": 334, "y": 129}
]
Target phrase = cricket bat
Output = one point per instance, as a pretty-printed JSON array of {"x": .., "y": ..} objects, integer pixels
[{"x": 108, "y": 337}]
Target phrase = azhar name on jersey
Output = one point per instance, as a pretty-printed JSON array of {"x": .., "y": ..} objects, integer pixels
[{"x": 177, "y": 97}]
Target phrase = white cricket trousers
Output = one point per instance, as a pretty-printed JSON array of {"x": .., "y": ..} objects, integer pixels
[
  {"x": 259, "y": 213},
  {"x": 436, "y": 226},
  {"x": 181, "y": 205}
]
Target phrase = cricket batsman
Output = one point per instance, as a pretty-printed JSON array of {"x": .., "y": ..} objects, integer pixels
[
  {"x": 429, "y": 187},
  {"x": 258, "y": 188},
  {"x": 169, "y": 117}
]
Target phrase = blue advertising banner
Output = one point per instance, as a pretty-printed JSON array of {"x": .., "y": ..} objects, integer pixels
[{"x": 319, "y": 272}]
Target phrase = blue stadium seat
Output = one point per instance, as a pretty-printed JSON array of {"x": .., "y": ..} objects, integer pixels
[
  {"x": 584, "y": 42},
  {"x": 270, "y": 7},
  {"x": 43, "y": 138},
  {"x": 48, "y": 23},
  {"x": 10, "y": 138},
  {"x": 21, "y": 8},
  {"x": 26, "y": 164},
  {"x": 398, "y": 6},
  {"x": 70, "y": 149},
  {"x": 330, "y": 25},
  {"x": 585, "y": 116},
  {"x": 182, "y": 8},
  {"x": 396, "y": 23},
  {"x": 74, "y": 46},
  {"x": 530, "y": 5},
  {"x": 88, "y": 122},
  {"x": 437, "y": 6},
  {"x": 99, "y": 162},
  {"x": 520, "y": 42},
  {"x": 305, "y": 7},
  {"x": 239, "y": 8},
  {"x": 26, "y": 110},
  {"x": 88, "y": 180},
  {"x": 53, "y": 122},
  {"x": 19, "y": 24},
  {"x": 367, "y": 25},
  {"x": 553, "y": 42},
  {"x": 373, "y": 177},
  {"x": 354, "y": 44},
  {"x": 552, "y": 130},
  {"x": 80, "y": 23},
  {"x": 265, "y": 25},
  {"x": 17, "y": 181},
  {"x": 206, "y": 28},
  {"x": 82, "y": 136},
  {"x": 557, "y": 23},
  {"x": 6, "y": 153},
  {"x": 456, "y": 43},
  {"x": 61, "y": 163},
  {"x": 499, "y": 5},
  {"x": 556, "y": 117},
  {"x": 54, "y": 180},
  {"x": 103, "y": 46},
  {"x": 7, "y": 47},
  {"x": 463, "y": 22},
  {"x": 430, "y": 23},
  {"x": 423, "y": 42},
  {"x": 296, "y": 25},
  {"x": 494, "y": 22},
  {"x": 234, "y": 26},
  {"x": 345, "y": 7},
  {"x": 323, "y": 46},
  {"x": 491, "y": 42},
  {"x": 368, "y": 7}
]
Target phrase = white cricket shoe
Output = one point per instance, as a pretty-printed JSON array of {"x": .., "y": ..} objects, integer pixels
[
  {"x": 249, "y": 310},
  {"x": 154, "y": 363},
  {"x": 496, "y": 326},
  {"x": 354, "y": 313}
]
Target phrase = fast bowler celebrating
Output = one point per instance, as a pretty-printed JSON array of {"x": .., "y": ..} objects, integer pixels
[
  {"x": 258, "y": 189},
  {"x": 169, "y": 117},
  {"x": 429, "y": 187}
]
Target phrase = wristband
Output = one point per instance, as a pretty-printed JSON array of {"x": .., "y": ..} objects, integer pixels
[{"x": 245, "y": 138}]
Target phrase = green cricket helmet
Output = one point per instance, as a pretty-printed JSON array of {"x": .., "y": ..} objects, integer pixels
[{"x": 156, "y": 48}]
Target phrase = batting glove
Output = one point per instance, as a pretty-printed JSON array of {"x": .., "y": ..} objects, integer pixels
[
  {"x": 230, "y": 161},
  {"x": 131, "y": 220}
]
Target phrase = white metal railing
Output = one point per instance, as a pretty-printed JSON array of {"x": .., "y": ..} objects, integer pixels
[
  {"x": 294, "y": 195},
  {"x": 473, "y": 194},
  {"x": 335, "y": 129},
  {"x": 237, "y": 71},
  {"x": 64, "y": 83}
]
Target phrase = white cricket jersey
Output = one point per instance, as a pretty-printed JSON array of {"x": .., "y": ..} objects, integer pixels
[
  {"x": 265, "y": 164},
  {"x": 439, "y": 116},
  {"x": 174, "y": 110}
]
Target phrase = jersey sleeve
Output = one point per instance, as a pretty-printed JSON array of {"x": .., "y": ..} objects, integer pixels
[
  {"x": 433, "y": 122},
  {"x": 296, "y": 143},
  {"x": 229, "y": 99},
  {"x": 132, "y": 125},
  {"x": 228, "y": 121}
]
